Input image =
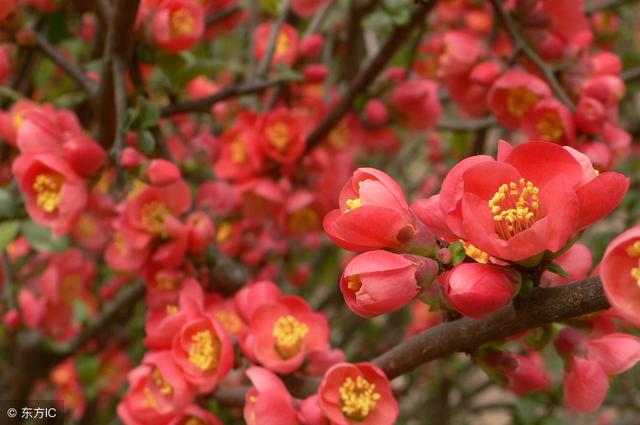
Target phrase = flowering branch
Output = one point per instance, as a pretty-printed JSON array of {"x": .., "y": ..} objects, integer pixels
[
  {"x": 263, "y": 67},
  {"x": 204, "y": 104},
  {"x": 520, "y": 43},
  {"x": 368, "y": 73},
  {"x": 119, "y": 44},
  {"x": 540, "y": 307}
]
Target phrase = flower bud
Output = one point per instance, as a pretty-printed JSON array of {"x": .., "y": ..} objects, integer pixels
[
  {"x": 315, "y": 73},
  {"x": 377, "y": 282},
  {"x": 162, "y": 172},
  {"x": 376, "y": 113},
  {"x": 311, "y": 45},
  {"x": 130, "y": 158},
  {"x": 85, "y": 156},
  {"x": 477, "y": 290}
]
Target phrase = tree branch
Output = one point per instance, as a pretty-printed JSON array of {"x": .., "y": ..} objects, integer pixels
[
  {"x": 263, "y": 67},
  {"x": 520, "y": 43},
  {"x": 542, "y": 306},
  {"x": 204, "y": 104},
  {"x": 119, "y": 44},
  {"x": 368, "y": 73},
  {"x": 221, "y": 14},
  {"x": 73, "y": 70}
]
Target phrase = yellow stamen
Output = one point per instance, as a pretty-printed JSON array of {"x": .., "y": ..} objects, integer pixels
[
  {"x": 278, "y": 136},
  {"x": 161, "y": 383},
  {"x": 515, "y": 207},
  {"x": 353, "y": 204},
  {"x": 519, "y": 99},
  {"x": 229, "y": 320},
  {"x": 182, "y": 23},
  {"x": 238, "y": 151},
  {"x": 193, "y": 421},
  {"x": 47, "y": 188},
  {"x": 152, "y": 215},
  {"x": 354, "y": 283},
  {"x": 635, "y": 273},
  {"x": 304, "y": 219},
  {"x": 550, "y": 127},
  {"x": 172, "y": 309},
  {"x": 225, "y": 230},
  {"x": 289, "y": 333},
  {"x": 282, "y": 44},
  {"x": 358, "y": 398},
  {"x": 150, "y": 400},
  {"x": 634, "y": 249},
  {"x": 475, "y": 253},
  {"x": 205, "y": 350}
]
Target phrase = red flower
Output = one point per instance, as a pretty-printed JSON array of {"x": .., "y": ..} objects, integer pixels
[
  {"x": 620, "y": 273},
  {"x": 167, "y": 385},
  {"x": 373, "y": 212},
  {"x": 55, "y": 194},
  {"x": 306, "y": 8},
  {"x": 282, "y": 332},
  {"x": 477, "y": 290},
  {"x": 551, "y": 121},
  {"x": 268, "y": 401},
  {"x": 461, "y": 51},
  {"x": 529, "y": 374},
  {"x": 585, "y": 385},
  {"x": 513, "y": 94},
  {"x": 286, "y": 48},
  {"x": 352, "y": 394},
  {"x": 378, "y": 282},
  {"x": 531, "y": 200},
  {"x": 418, "y": 103},
  {"x": 281, "y": 136},
  {"x": 239, "y": 157},
  {"x": 178, "y": 24}
]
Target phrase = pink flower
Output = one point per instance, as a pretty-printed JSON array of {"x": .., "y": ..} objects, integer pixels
[
  {"x": 268, "y": 401},
  {"x": 576, "y": 261},
  {"x": 551, "y": 121},
  {"x": 461, "y": 51},
  {"x": 352, "y": 394},
  {"x": 477, "y": 290},
  {"x": 55, "y": 194},
  {"x": 513, "y": 94},
  {"x": 620, "y": 273},
  {"x": 585, "y": 385},
  {"x": 529, "y": 374},
  {"x": 306, "y": 8},
  {"x": 286, "y": 49},
  {"x": 377, "y": 282},
  {"x": 167, "y": 384},
  {"x": 516, "y": 208},
  {"x": 178, "y": 24},
  {"x": 162, "y": 172},
  {"x": 373, "y": 212},
  {"x": 418, "y": 104},
  {"x": 283, "y": 332}
]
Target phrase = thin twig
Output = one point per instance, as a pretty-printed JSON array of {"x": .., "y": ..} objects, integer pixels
[
  {"x": 630, "y": 74},
  {"x": 73, "y": 70},
  {"x": 204, "y": 104},
  {"x": 317, "y": 20},
  {"x": 222, "y": 14},
  {"x": 519, "y": 42},
  {"x": 368, "y": 73},
  {"x": 263, "y": 67},
  {"x": 466, "y": 124},
  {"x": 120, "y": 88}
]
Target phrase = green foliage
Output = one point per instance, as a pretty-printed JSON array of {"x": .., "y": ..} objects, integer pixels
[
  {"x": 42, "y": 239},
  {"x": 8, "y": 232}
]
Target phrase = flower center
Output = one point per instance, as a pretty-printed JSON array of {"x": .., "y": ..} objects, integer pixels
[
  {"x": 353, "y": 204},
  {"x": 161, "y": 383},
  {"x": 48, "y": 187},
  {"x": 475, "y": 253},
  {"x": 514, "y": 207},
  {"x": 289, "y": 333},
  {"x": 224, "y": 232},
  {"x": 205, "y": 350},
  {"x": 152, "y": 217},
  {"x": 150, "y": 400},
  {"x": 182, "y": 23},
  {"x": 278, "y": 136},
  {"x": 172, "y": 309},
  {"x": 353, "y": 282},
  {"x": 238, "y": 151},
  {"x": 634, "y": 251},
  {"x": 358, "y": 398},
  {"x": 518, "y": 101},
  {"x": 303, "y": 219},
  {"x": 229, "y": 320},
  {"x": 282, "y": 44},
  {"x": 550, "y": 127}
]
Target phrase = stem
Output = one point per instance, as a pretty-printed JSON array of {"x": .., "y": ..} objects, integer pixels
[{"x": 368, "y": 73}]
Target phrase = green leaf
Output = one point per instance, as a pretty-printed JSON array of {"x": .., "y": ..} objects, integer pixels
[
  {"x": 148, "y": 115},
  {"x": 458, "y": 253},
  {"x": 8, "y": 204},
  {"x": 146, "y": 142},
  {"x": 42, "y": 239},
  {"x": 557, "y": 269},
  {"x": 8, "y": 232}
]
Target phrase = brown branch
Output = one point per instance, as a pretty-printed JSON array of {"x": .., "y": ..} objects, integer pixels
[
  {"x": 119, "y": 44},
  {"x": 73, "y": 70},
  {"x": 520, "y": 43},
  {"x": 630, "y": 74},
  {"x": 542, "y": 306},
  {"x": 204, "y": 104},
  {"x": 466, "y": 124},
  {"x": 368, "y": 73}
]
